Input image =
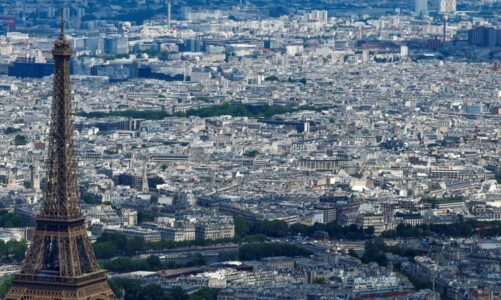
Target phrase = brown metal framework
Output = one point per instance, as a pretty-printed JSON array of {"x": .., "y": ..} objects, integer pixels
[{"x": 60, "y": 263}]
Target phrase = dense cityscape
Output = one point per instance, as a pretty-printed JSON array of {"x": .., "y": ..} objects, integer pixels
[{"x": 252, "y": 149}]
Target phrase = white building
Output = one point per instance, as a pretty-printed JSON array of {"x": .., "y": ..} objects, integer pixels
[
  {"x": 404, "y": 51},
  {"x": 448, "y": 6},
  {"x": 318, "y": 15}
]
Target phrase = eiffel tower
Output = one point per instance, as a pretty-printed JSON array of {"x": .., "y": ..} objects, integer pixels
[{"x": 60, "y": 263}]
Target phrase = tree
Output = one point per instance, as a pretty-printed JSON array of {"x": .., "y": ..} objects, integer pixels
[
  {"x": 370, "y": 231},
  {"x": 10, "y": 220},
  {"x": 152, "y": 292},
  {"x": 20, "y": 140},
  {"x": 262, "y": 250},
  {"x": 154, "y": 262},
  {"x": 27, "y": 184},
  {"x": 235, "y": 110},
  {"x": 241, "y": 227},
  {"x": 255, "y": 238},
  {"x": 13, "y": 250},
  {"x": 105, "y": 250},
  {"x": 17, "y": 249},
  {"x": 177, "y": 293},
  {"x": 300, "y": 229},
  {"x": 271, "y": 78},
  {"x": 11, "y": 130},
  {"x": 420, "y": 283},
  {"x": 319, "y": 280},
  {"x": 228, "y": 256},
  {"x": 381, "y": 259},
  {"x": 251, "y": 153},
  {"x": 124, "y": 265},
  {"x": 275, "y": 228},
  {"x": 164, "y": 55},
  {"x": 135, "y": 244},
  {"x": 91, "y": 199},
  {"x": 120, "y": 286},
  {"x": 459, "y": 229},
  {"x": 3, "y": 249},
  {"x": 205, "y": 294},
  {"x": 117, "y": 239},
  {"x": 5, "y": 287},
  {"x": 375, "y": 252},
  {"x": 131, "y": 289},
  {"x": 154, "y": 181},
  {"x": 144, "y": 217},
  {"x": 352, "y": 253},
  {"x": 111, "y": 244}
]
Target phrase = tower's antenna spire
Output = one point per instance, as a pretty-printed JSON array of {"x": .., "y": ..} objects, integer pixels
[
  {"x": 62, "y": 18},
  {"x": 169, "y": 7}
]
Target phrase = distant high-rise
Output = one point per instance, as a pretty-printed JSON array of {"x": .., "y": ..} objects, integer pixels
[
  {"x": 421, "y": 8},
  {"x": 404, "y": 51},
  {"x": 116, "y": 45},
  {"x": 318, "y": 15},
  {"x": 365, "y": 56},
  {"x": 60, "y": 263},
  {"x": 484, "y": 36},
  {"x": 448, "y": 6}
]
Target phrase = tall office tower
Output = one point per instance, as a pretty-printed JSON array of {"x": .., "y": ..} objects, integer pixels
[
  {"x": 447, "y": 6},
  {"x": 421, "y": 8},
  {"x": 60, "y": 263}
]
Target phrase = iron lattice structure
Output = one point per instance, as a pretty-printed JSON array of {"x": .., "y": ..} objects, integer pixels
[{"x": 60, "y": 263}]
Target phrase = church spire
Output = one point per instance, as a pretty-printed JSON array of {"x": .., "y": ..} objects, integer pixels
[{"x": 145, "y": 187}]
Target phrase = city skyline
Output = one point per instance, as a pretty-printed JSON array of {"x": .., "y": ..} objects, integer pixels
[{"x": 250, "y": 150}]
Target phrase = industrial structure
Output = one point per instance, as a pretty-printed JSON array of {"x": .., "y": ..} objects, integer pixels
[{"x": 60, "y": 263}]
